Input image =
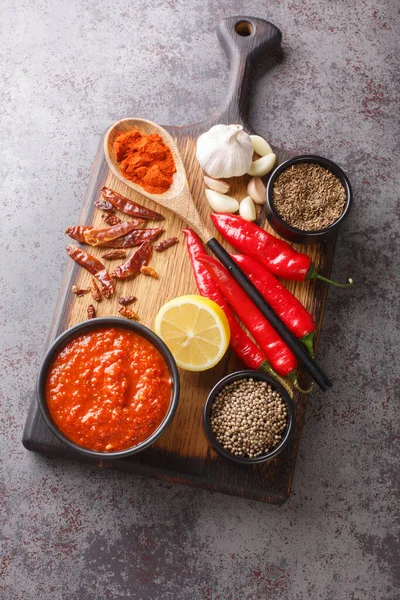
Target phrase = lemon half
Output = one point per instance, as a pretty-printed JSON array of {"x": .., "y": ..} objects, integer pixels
[{"x": 196, "y": 331}]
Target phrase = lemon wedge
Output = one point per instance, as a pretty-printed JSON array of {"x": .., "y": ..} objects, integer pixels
[{"x": 196, "y": 331}]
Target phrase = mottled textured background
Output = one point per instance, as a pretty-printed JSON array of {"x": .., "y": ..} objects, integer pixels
[{"x": 68, "y": 70}]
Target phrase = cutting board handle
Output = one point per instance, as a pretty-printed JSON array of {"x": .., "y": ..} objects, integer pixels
[{"x": 244, "y": 39}]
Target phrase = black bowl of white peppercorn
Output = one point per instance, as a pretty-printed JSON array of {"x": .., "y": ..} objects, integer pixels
[{"x": 249, "y": 417}]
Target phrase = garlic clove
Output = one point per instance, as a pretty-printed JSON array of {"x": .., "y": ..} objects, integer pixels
[
  {"x": 224, "y": 151},
  {"x": 216, "y": 184},
  {"x": 247, "y": 209},
  {"x": 256, "y": 190},
  {"x": 221, "y": 203},
  {"x": 260, "y": 145},
  {"x": 262, "y": 166}
]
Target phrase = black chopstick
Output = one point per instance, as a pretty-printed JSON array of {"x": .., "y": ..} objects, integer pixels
[{"x": 298, "y": 349}]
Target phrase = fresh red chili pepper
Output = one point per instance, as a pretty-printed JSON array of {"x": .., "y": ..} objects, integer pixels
[
  {"x": 241, "y": 344},
  {"x": 287, "y": 306},
  {"x": 280, "y": 357},
  {"x": 274, "y": 254}
]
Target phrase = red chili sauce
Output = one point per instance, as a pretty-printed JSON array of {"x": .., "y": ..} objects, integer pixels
[{"x": 108, "y": 390}]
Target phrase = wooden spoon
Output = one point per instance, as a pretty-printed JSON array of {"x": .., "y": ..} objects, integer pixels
[{"x": 178, "y": 199}]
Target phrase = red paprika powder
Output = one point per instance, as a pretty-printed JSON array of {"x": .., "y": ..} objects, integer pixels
[{"x": 146, "y": 160}]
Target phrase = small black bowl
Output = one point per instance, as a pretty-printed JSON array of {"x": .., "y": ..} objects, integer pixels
[
  {"x": 257, "y": 376},
  {"x": 105, "y": 323},
  {"x": 293, "y": 234}
]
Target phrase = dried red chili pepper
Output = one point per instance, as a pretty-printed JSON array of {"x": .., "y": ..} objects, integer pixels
[
  {"x": 286, "y": 306},
  {"x": 128, "y": 313},
  {"x": 274, "y": 254},
  {"x": 94, "y": 290},
  {"x": 129, "y": 207},
  {"x": 79, "y": 291},
  {"x": 240, "y": 342},
  {"x": 94, "y": 266},
  {"x": 91, "y": 311},
  {"x": 77, "y": 232},
  {"x": 113, "y": 254},
  {"x": 134, "y": 238},
  {"x": 111, "y": 219},
  {"x": 99, "y": 237},
  {"x": 126, "y": 300},
  {"x": 164, "y": 244},
  {"x": 131, "y": 267},
  {"x": 105, "y": 205},
  {"x": 145, "y": 270}
]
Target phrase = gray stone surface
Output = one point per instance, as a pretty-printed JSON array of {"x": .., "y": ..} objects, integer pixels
[{"x": 69, "y": 69}]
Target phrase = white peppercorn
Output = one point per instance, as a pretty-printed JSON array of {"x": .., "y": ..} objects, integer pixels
[{"x": 248, "y": 417}]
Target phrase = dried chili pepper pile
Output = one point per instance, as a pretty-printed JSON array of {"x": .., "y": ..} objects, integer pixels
[{"x": 118, "y": 236}]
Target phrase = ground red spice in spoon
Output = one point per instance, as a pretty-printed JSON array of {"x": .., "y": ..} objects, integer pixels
[{"x": 146, "y": 160}]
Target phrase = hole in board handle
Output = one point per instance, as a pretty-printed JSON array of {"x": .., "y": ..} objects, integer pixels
[{"x": 244, "y": 28}]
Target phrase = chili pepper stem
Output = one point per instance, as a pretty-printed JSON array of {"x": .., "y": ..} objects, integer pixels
[
  {"x": 301, "y": 390},
  {"x": 313, "y": 274},
  {"x": 308, "y": 341},
  {"x": 293, "y": 378},
  {"x": 265, "y": 366}
]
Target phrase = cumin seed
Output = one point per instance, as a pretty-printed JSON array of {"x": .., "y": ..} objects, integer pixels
[{"x": 308, "y": 197}]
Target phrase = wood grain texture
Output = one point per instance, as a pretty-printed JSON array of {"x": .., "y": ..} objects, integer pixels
[{"x": 183, "y": 454}]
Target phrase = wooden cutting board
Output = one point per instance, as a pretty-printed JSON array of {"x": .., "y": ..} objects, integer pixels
[{"x": 183, "y": 454}]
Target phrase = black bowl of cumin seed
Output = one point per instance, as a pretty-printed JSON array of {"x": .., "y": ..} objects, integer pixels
[
  {"x": 233, "y": 416},
  {"x": 308, "y": 197}
]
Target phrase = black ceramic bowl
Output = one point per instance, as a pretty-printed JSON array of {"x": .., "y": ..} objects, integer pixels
[
  {"x": 298, "y": 235},
  {"x": 258, "y": 376},
  {"x": 99, "y": 323}
]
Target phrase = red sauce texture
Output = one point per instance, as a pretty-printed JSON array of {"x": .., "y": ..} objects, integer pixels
[{"x": 108, "y": 390}]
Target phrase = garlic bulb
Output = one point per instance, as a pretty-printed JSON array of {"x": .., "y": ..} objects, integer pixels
[
  {"x": 221, "y": 203},
  {"x": 247, "y": 209},
  {"x": 225, "y": 151}
]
